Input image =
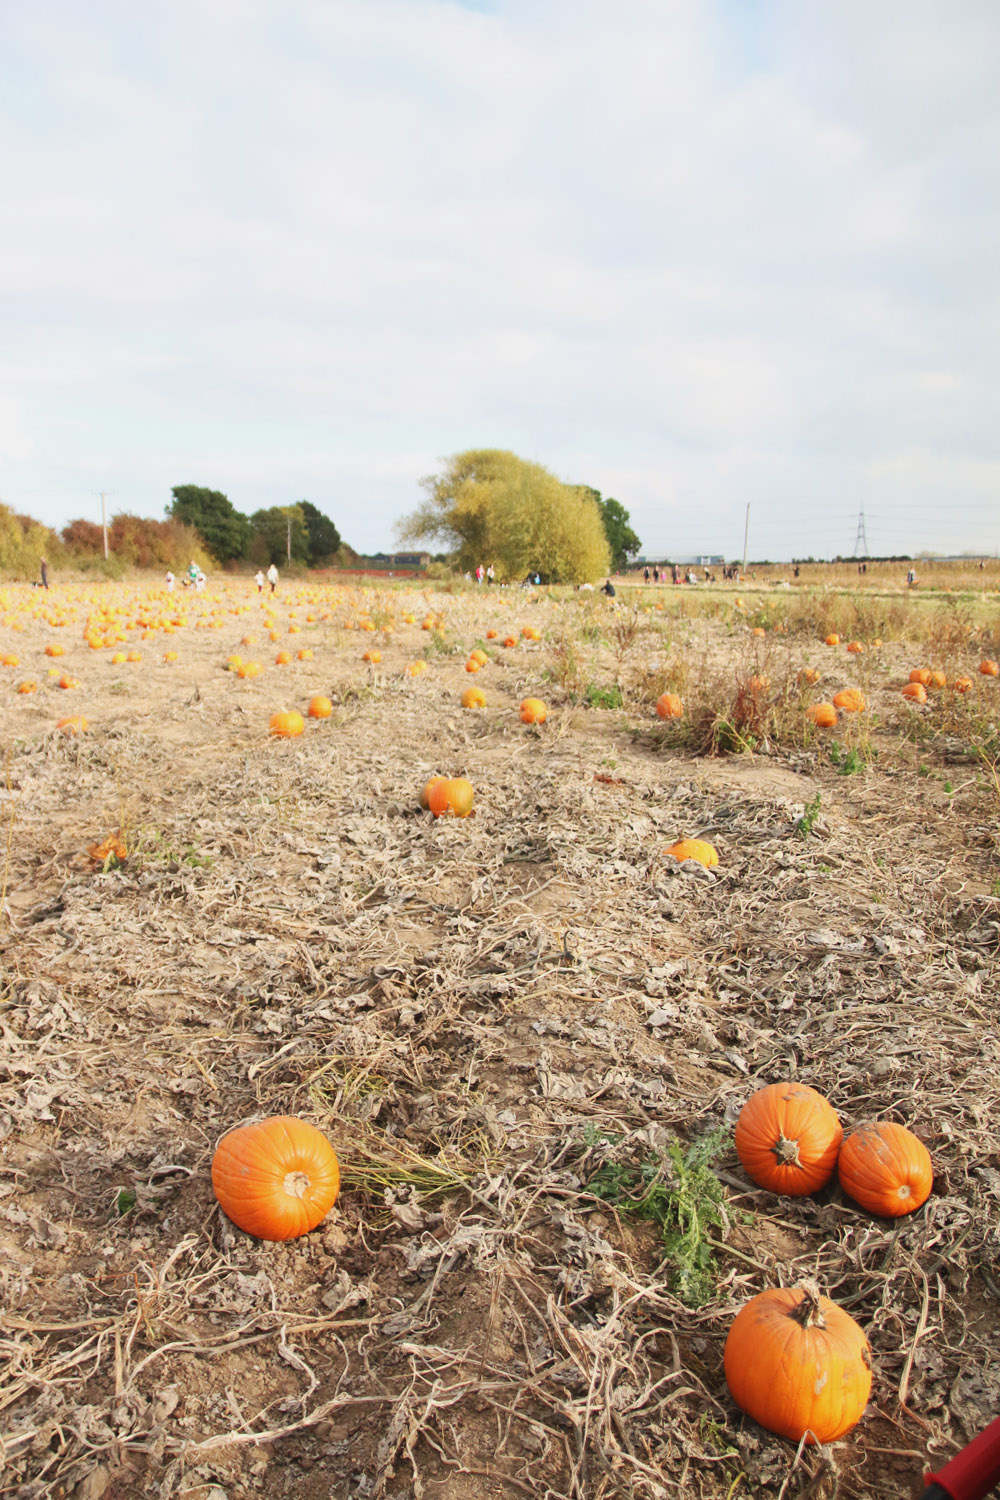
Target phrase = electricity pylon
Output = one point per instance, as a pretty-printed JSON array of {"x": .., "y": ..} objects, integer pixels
[{"x": 861, "y": 540}]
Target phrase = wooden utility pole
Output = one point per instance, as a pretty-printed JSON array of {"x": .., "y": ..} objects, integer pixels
[
  {"x": 104, "y": 525},
  {"x": 746, "y": 534}
]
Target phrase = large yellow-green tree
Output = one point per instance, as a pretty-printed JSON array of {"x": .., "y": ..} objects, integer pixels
[{"x": 491, "y": 507}]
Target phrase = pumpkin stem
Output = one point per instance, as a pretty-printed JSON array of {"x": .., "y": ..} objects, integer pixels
[
  {"x": 787, "y": 1152},
  {"x": 296, "y": 1184},
  {"x": 809, "y": 1313}
]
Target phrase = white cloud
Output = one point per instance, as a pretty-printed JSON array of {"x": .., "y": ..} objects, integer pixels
[{"x": 692, "y": 255}]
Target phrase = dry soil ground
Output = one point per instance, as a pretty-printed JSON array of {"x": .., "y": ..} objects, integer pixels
[{"x": 484, "y": 1016}]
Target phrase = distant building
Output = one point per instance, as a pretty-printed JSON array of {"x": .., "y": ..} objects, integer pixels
[
  {"x": 696, "y": 560},
  {"x": 410, "y": 559}
]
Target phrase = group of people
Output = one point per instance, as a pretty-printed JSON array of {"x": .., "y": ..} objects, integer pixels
[
  {"x": 689, "y": 576},
  {"x": 194, "y": 578},
  {"x": 485, "y": 575},
  {"x": 271, "y": 577}
]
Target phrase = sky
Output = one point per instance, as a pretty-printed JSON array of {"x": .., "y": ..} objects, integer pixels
[{"x": 698, "y": 254}]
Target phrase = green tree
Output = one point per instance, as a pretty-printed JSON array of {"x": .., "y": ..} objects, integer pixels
[
  {"x": 324, "y": 538},
  {"x": 271, "y": 531},
  {"x": 490, "y": 506},
  {"x": 621, "y": 538},
  {"x": 225, "y": 531},
  {"x": 23, "y": 543}
]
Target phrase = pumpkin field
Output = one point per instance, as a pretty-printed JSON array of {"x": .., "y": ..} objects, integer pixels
[{"x": 394, "y": 862}]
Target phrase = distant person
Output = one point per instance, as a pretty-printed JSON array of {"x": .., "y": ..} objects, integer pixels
[
  {"x": 645, "y": 575},
  {"x": 490, "y": 573},
  {"x": 911, "y": 578},
  {"x": 272, "y": 577},
  {"x": 45, "y": 574},
  {"x": 608, "y": 588},
  {"x": 258, "y": 579},
  {"x": 192, "y": 572},
  {"x": 169, "y": 581}
]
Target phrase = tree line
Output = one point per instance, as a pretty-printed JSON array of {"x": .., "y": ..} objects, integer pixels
[
  {"x": 298, "y": 533},
  {"x": 201, "y": 525}
]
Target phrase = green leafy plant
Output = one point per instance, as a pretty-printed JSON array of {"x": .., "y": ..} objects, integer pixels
[
  {"x": 123, "y": 1202},
  {"x": 847, "y": 761},
  {"x": 805, "y": 825},
  {"x": 679, "y": 1192},
  {"x": 598, "y": 697}
]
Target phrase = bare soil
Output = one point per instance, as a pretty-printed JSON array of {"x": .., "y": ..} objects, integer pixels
[{"x": 478, "y": 1013}]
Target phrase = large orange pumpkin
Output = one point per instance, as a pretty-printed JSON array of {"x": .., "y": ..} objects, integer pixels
[
  {"x": 915, "y": 691},
  {"x": 669, "y": 706},
  {"x": 473, "y": 697},
  {"x": 286, "y": 724},
  {"x": 921, "y": 675},
  {"x": 850, "y": 700},
  {"x": 787, "y": 1137},
  {"x": 798, "y": 1364},
  {"x": 276, "y": 1179},
  {"x": 823, "y": 715},
  {"x": 533, "y": 711},
  {"x": 697, "y": 849},
  {"x": 989, "y": 668},
  {"x": 886, "y": 1169},
  {"x": 320, "y": 706},
  {"x": 452, "y": 797}
]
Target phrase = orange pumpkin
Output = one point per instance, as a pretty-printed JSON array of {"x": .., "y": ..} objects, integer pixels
[
  {"x": 823, "y": 715},
  {"x": 807, "y": 676},
  {"x": 921, "y": 675},
  {"x": 962, "y": 684},
  {"x": 798, "y": 1364},
  {"x": 282, "y": 658},
  {"x": 697, "y": 849},
  {"x": 73, "y": 724},
  {"x": 787, "y": 1137},
  {"x": 472, "y": 665},
  {"x": 886, "y": 1169},
  {"x": 473, "y": 697},
  {"x": 479, "y": 655},
  {"x": 937, "y": 680},
  {"x": 305, "y": 654},
  {"x": 450, "y": 797},
  {"x": 850, "y": 700},
  {"x": 669, "y": 706},
  {"x": 320, "y": 707},
  {"x": 989, "y": 668},
  {"x": 27, "y": 687},
  {"x": 533, "y": 711},
  {"x": 915, "y": 691},
  {"x": 833, "y": 640},
  {"x": 286, "y": 724},
  {"x": 373, "y": 657},
  {"x": 855, "y": 648},
  {"x": 277, "y": 1179}
]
